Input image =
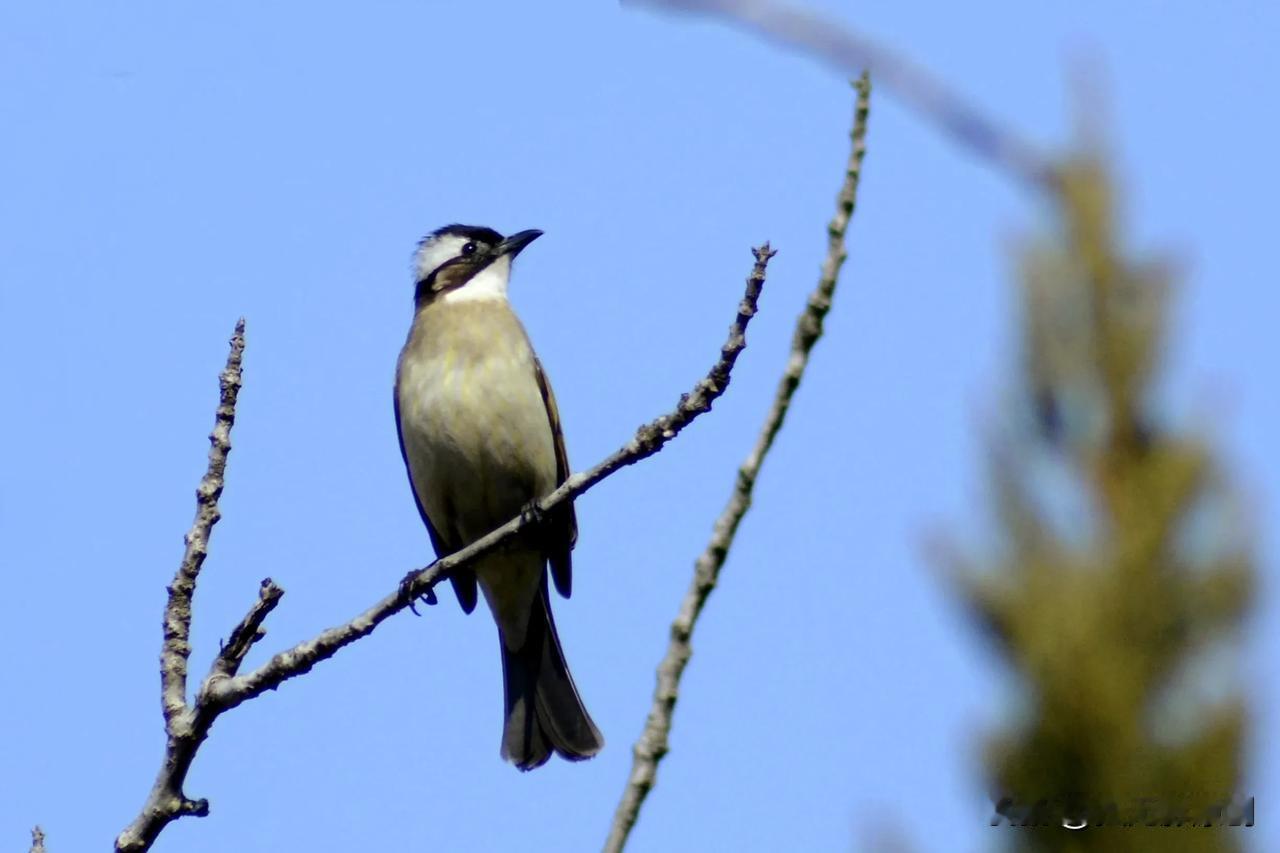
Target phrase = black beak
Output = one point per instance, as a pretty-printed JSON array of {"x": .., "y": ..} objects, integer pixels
[{"x": 515, "y": 244}]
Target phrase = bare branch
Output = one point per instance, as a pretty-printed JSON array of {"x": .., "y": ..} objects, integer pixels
[
  {"x": 223, "y": 689},
  {"x": 177, "y": 614},
  {"x": 851, "y": 53},
  {"x": 183, "y": 724},
  {"x": 244, "y": 635},
  {"x": 652, "y": 745}
]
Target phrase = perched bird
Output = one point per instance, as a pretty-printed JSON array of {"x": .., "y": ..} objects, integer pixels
[{"x": 481, "y": 439}]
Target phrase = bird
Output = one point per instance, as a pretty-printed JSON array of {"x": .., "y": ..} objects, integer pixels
[{"x": 481, "y": 440}]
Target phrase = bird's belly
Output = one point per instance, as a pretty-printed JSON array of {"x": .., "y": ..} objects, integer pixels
[{"x": 478, "y": 440}]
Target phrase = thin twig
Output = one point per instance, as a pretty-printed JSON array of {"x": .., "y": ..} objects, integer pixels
[
  {"x": 652, "y": 745},
  {"x": 223, "y": 689},
  {"x": 244, "y": 635},
  {"x": 851, "y": 53}
]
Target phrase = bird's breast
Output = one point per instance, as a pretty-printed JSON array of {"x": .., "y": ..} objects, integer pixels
[{"x": 475, "y": 427}]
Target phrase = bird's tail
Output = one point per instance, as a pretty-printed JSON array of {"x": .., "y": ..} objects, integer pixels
[{"x": 544, "y": 711}]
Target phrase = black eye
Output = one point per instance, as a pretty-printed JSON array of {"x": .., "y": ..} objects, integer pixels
[{"x": 468, "y": 250}]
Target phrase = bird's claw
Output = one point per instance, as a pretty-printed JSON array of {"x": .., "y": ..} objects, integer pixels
[
  {"x": 531, "y": 513},
  {"x": 406, "y": 587}
]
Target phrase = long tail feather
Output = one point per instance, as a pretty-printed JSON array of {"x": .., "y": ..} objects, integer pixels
[{"x": 544, "y": 711}]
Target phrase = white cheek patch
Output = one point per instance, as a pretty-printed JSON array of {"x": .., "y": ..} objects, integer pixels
[
  {"x": 488, "y": 284},
  {"x": 435, "y": 252}
]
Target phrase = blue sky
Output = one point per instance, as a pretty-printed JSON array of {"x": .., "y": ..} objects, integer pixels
[{"x": 167, "y": 170}]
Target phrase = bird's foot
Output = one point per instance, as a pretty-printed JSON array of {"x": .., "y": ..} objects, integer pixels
[
  {"x": 406, "y": 592},
  {"x": 532, "y": 514}
]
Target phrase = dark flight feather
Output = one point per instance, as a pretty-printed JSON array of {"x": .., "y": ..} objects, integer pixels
[{"x": 561, "y": 532}]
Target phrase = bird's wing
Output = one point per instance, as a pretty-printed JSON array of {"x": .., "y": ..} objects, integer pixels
[
  {"x": 463, "y": 580},
  {"x": 562, "y": 524}
]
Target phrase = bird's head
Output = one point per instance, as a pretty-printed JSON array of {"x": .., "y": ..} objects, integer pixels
[{"x": 466, "y": 262}]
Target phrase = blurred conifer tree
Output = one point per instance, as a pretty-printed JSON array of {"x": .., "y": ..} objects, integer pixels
[{"x": 1121, "y": 579}]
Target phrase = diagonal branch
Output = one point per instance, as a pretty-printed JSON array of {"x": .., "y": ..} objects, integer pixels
[
  {"x": 851, "y": 52},
  {"x": 652, "y": 745},
  {"x": 223, "y": 689}
]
